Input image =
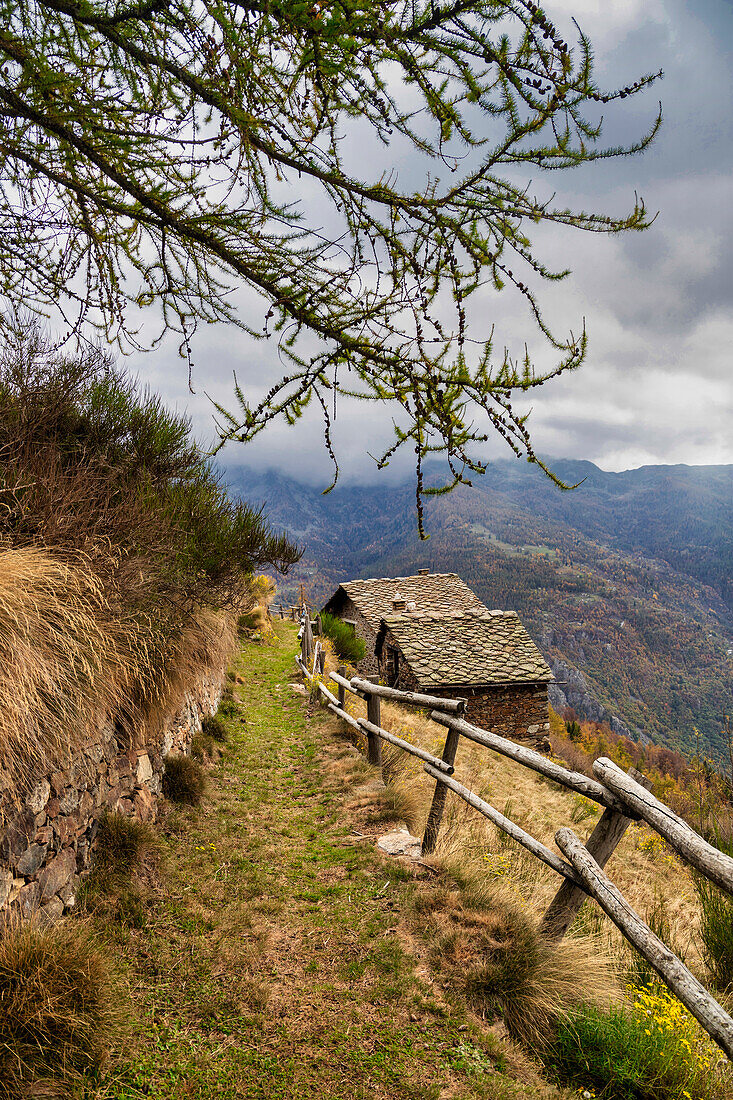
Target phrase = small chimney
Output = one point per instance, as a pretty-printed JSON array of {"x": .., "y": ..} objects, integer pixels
[
  {"x": 423, "y": 572},
  {"x": 398, "y": 602}
]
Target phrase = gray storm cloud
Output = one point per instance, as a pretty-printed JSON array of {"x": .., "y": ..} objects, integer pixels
[{"x": 658, "y": 306}]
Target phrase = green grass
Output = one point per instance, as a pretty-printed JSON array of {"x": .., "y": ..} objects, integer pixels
[
  {"x": 626, "y": 1054},
  {"x": 270, "y": 964}
]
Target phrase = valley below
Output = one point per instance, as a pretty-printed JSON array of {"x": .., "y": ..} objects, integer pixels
[{"x": 625, "y": 583}]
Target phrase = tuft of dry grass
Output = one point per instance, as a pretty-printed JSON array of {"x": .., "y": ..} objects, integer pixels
[
  {"x": 183, "y": 780},
  {"x": 61, "y": 661},
  {"x": 67, "y": 662},
  {"x": 61, "y": 1010},
  {"x": 127, "y": 865},
  {"x": 256, "y": 618},
  {"x": 494, "y": 952},
  {"x": 125, "y": 846},
  {"x": 404, "y": 804}
]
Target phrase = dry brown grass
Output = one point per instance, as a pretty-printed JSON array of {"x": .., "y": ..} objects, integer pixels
[
  {"x": 201, "y": 647},
  {"x": 493, "y": 950},
  {"x": 61, "y": 1010},
  {"x": 255, "y": 618},
  {"x": 67, "y": 662},
  {"x": 61, "y": 663}
]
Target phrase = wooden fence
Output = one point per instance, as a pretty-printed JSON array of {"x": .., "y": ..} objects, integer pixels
[{"x": 625, "y": 797}]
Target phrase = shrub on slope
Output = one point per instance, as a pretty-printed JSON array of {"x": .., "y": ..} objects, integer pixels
[
  {"x": 92, "y": 462},
  {"x": 123, "y": 562}
]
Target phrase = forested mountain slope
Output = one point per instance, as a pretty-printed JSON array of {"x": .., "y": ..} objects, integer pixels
[{"x": 625, "y": 583}]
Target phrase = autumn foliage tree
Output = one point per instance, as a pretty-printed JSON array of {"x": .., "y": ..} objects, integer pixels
[{"x": 154, "y": 151}]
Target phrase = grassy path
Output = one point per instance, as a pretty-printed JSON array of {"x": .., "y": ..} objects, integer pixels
[{"x": 272, "y": 962}]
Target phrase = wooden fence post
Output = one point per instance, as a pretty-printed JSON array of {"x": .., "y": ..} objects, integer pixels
[
  {"x": 308, "y": 635},
  {"x": 566, "y": 903},
  {"x": 374, "y": 744},
  {"x": 432, "y": 828},
  {"x": 342, "y": 689},
  {"x": 319, "y": 626},
  {"x": 321, "y": 661}
]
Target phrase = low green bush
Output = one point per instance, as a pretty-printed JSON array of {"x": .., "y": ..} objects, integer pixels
[
  {"x": 651, "y": 1050},
  {"x": 214, "y": 726},
  {"x": 203, "y": 748},
  {"x": 124, "y": 846},
  {"x": 229, "y": 707},
  {"x": 346, "y": 644},
  {"x": 183, "y": 780},
  {"x": 127, "y": 861}
]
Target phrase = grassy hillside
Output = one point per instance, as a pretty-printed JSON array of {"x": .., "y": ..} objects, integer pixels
[
  {"x": 278, "y": 956},
  {"x": 266, "y": 948},
  {"x": 654, "y": 643}
]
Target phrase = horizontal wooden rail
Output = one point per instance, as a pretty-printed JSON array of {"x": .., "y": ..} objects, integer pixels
[
  {"x": 575, "y": 781},
  {"x": 339, "y": 679},
  {"x": 413, "y": 750},
  {"x": 536, "y": 847},
  {"x": 413, "y": 698},
  {"x": 713, "y": 863},
  {"x": 327, "y": 694},
  {"x": 674, "y": 973},
  {"x": 357, "y": 686},
  {"x": 343, "y": 714}
]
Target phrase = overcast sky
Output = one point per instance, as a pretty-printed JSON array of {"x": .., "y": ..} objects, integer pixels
[{"x": 657, "y": 386}]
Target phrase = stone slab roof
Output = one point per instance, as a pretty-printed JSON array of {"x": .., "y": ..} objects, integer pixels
[
  {"x": 443, "y": 593},
  {"x": 470, "y": 648}
]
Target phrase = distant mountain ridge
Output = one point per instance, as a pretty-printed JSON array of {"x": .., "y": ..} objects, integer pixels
[{"x": 626, "y": 583}]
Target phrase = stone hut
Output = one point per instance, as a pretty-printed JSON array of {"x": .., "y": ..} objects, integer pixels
[
  {"x": 484, "y": 656},
  {"x": 363, "y": 604},
  {"x": 431, "y": 633}
]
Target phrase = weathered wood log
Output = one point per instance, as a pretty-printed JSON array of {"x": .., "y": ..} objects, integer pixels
[
  {"x": 308, "y": 635},
  {"x": 432, "y": 826},
  {"x": 511, "y": 829},
  {"x": 413, "y": 750},
  {"x": 343, "y": 714},
  {"x": 303, "y": 667},
  {"x": 713, "y": 863},
  {"x": 411, "y": 698},
  {"x": 673, "y": 973},
  {"x": 314, "y": 662},
  {"x": 575, "y": 781},
  {"x": 321, "y": 661},
  {"x": 374, "y": 745},
  {"x": 601, "y": 843},
  {"x": 340, "y": 681},
  {"x": 327, "y": 694}
]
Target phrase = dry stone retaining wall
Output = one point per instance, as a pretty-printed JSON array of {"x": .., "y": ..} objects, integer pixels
[{"x": 46, "y": 845}]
